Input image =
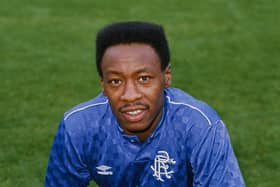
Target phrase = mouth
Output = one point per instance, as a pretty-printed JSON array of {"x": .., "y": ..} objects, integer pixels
[{"x": 134, "y": 113}]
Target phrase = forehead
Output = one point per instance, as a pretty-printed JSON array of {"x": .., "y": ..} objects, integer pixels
[
  {"x": 139, "y": 49},
  {"x": 130, "y": 57}
]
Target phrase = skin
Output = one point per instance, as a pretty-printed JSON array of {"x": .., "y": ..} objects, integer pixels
[{"x": 134, "y": 82}]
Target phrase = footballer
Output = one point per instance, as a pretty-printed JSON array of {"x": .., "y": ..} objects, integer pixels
[{"x": 140, "y": 131}]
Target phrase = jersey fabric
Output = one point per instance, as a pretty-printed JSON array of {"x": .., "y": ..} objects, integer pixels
[{"x": 189, "y": 147}]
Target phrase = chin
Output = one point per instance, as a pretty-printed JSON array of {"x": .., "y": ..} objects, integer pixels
[{"x": 139, "y": 129}]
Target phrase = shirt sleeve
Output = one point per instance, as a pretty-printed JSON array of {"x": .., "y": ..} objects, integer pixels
[
  {"x": 213, "y": 161},
  {"x": 65, "y": 167}
]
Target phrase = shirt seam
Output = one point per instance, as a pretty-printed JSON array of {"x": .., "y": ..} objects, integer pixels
[
  {"x": 83, "y": 108},
  {"x": 190, "y": 106}
]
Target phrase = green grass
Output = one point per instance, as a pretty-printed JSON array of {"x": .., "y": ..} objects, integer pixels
[{"x": 223, "y": 52}]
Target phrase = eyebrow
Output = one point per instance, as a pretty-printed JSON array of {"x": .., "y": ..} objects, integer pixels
[
  {"x": 141, "y": 70},
  {"x": 111, "y": 72}
]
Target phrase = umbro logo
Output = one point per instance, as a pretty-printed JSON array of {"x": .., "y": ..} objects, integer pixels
[{"x": 104, "y": 170}]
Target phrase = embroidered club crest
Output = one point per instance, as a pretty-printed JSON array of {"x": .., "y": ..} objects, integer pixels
[
  {"x": 104, "y": 170},
  {"x": 161, "y": 165}
]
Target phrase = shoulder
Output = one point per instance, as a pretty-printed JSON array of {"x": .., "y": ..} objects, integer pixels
[
  {"x": 87, "y": 115},
  {"x": 196, "y": 120},
  {"x": 182, "y": 102},
  {"x": 93, "y": 106},
  {"x": 84, "y": 120}
]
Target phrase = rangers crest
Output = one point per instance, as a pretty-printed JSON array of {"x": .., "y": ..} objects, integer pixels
[{"x": 161, "y": 165}]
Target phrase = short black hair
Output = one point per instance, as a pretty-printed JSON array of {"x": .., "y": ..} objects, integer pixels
[{"x": 132, "y": 32}]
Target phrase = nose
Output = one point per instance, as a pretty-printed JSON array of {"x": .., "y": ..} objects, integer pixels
[{"x": 131, "y": 92}]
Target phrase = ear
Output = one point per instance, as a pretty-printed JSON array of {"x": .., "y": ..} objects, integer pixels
[{"x": 167, "y": 76}]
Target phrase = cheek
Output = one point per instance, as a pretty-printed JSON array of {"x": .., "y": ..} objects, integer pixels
[
  {"x": 114, "y": 98},
  {"x": 111, "y": 93},
  {"x": 114, "y": 103},
  {"x": 155, "y": 95}
]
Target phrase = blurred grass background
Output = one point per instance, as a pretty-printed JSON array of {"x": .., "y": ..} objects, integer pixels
[{"x": 225, "y": 53}]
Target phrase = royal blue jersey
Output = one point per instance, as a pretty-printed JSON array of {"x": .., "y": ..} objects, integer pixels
[{"x": 189, "y": 147}]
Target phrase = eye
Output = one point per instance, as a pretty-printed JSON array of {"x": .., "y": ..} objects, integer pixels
[
  {"x": 115, "y": 82},
  {"x": 144, "y": 78}
]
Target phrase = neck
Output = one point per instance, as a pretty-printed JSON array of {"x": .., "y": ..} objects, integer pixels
[{"x": 143, "y": 135}]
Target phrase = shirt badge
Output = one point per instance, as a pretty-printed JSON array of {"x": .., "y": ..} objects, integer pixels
[
  {"x": 161, "y": 165},
  {"x": 104, "y": 170}
]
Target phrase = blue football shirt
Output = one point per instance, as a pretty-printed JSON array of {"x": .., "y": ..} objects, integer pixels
[{"x": 189, "y": 147}]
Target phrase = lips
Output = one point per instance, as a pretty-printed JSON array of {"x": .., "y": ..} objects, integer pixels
[
  {"x": 134, "y": 113},
  {"x": 134, "y": 116}
]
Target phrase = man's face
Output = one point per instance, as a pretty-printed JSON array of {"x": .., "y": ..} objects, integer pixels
[{"x": 133, "y": 81}]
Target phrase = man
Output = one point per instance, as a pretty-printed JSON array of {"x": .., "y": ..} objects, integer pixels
[{"x": 139, "y": 131}]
